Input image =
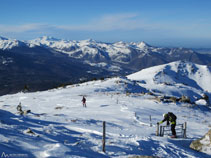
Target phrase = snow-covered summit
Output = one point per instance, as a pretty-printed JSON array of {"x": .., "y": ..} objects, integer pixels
[
  {"x": 6, "y": 43},
  {"x": 44, "y": 39},
  {"x": 87, "y": 41},
  {"x": 176, "y": 78},
  {"x": 142, "y": 45},
  {"x": 47, "y": 41}
]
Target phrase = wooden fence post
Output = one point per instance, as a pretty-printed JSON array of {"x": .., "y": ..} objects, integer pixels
[
  {"x": 150, "y": 119},
  {"x": 104, "y": 135},
  {"x": 185, "y": 128},
  {"x": 161, "y": 131},
  {"x": 157, "y": 131}
]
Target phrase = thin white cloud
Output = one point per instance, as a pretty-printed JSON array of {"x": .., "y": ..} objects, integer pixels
[
  {"x": 110, "y": 22},
  {"x": 21, "y": 28}
]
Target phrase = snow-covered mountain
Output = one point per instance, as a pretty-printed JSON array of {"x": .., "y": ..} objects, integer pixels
[
  {"x": 38, "y": 68},
  {"x": 59, "y": 126},
  {"x": 133, "y": 56},
  {"x": 6, "y": 43},
  {"x": 86, "y": 49},
  {"x": 115, "y": 57},
  {"x": 176, "y": 79},
  {"x": 98, "y": 51}
]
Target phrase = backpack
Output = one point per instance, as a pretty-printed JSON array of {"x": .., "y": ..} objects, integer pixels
[{"x": 174, "y": 117}]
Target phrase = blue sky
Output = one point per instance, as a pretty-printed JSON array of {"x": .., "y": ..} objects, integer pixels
[{"x": 184, "y": 23}]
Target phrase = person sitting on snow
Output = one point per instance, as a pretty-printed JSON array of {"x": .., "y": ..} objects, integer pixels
[
  {"x": 19, "y": 107},
  {"x": 170, "y": 117}
]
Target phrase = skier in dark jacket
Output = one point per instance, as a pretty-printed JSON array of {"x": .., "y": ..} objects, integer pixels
[
  {"x": 170, "y": 117},
  {"x": 84, "y": 101}
]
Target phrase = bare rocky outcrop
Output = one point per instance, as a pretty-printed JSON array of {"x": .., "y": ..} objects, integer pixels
[{"x": 203, "y": 144}]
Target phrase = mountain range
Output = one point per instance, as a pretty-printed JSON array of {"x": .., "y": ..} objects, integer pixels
[
  {"x": 120, "y": 55},
  {"x": 47, "y": 62}
]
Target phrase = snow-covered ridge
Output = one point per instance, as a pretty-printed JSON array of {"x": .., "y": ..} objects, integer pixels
[
  {"x": 88, "y": 47},
  {"x": 94, "y": 51},
  {"x": 51, "y": 42},
  {"x": 121, "y": 52},
  {"x": 91, "y": 46},
  {"x": 176, "y": 78},
  {"x": 6, "y": 43}
]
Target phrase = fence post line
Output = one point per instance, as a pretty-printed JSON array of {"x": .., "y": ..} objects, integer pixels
[{"x": 104, "y": 135}]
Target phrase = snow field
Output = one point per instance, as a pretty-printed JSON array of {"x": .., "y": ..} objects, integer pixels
[{"x": 63, "y": 128}]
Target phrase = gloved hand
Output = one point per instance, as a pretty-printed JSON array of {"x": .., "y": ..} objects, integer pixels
[{"x": 158, "y": 123}]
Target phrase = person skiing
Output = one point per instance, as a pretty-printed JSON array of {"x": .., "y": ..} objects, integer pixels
[
  {"x": 170, "y": 117},
  {"x": 84, "y": 101}
]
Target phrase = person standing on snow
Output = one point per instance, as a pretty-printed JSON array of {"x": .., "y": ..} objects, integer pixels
[
  {"x": 170, "y": 117},
  {"x": 84, "y": 101}
]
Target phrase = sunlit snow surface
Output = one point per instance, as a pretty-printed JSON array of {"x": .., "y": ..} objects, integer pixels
[{"x": 64, "y": 128}]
